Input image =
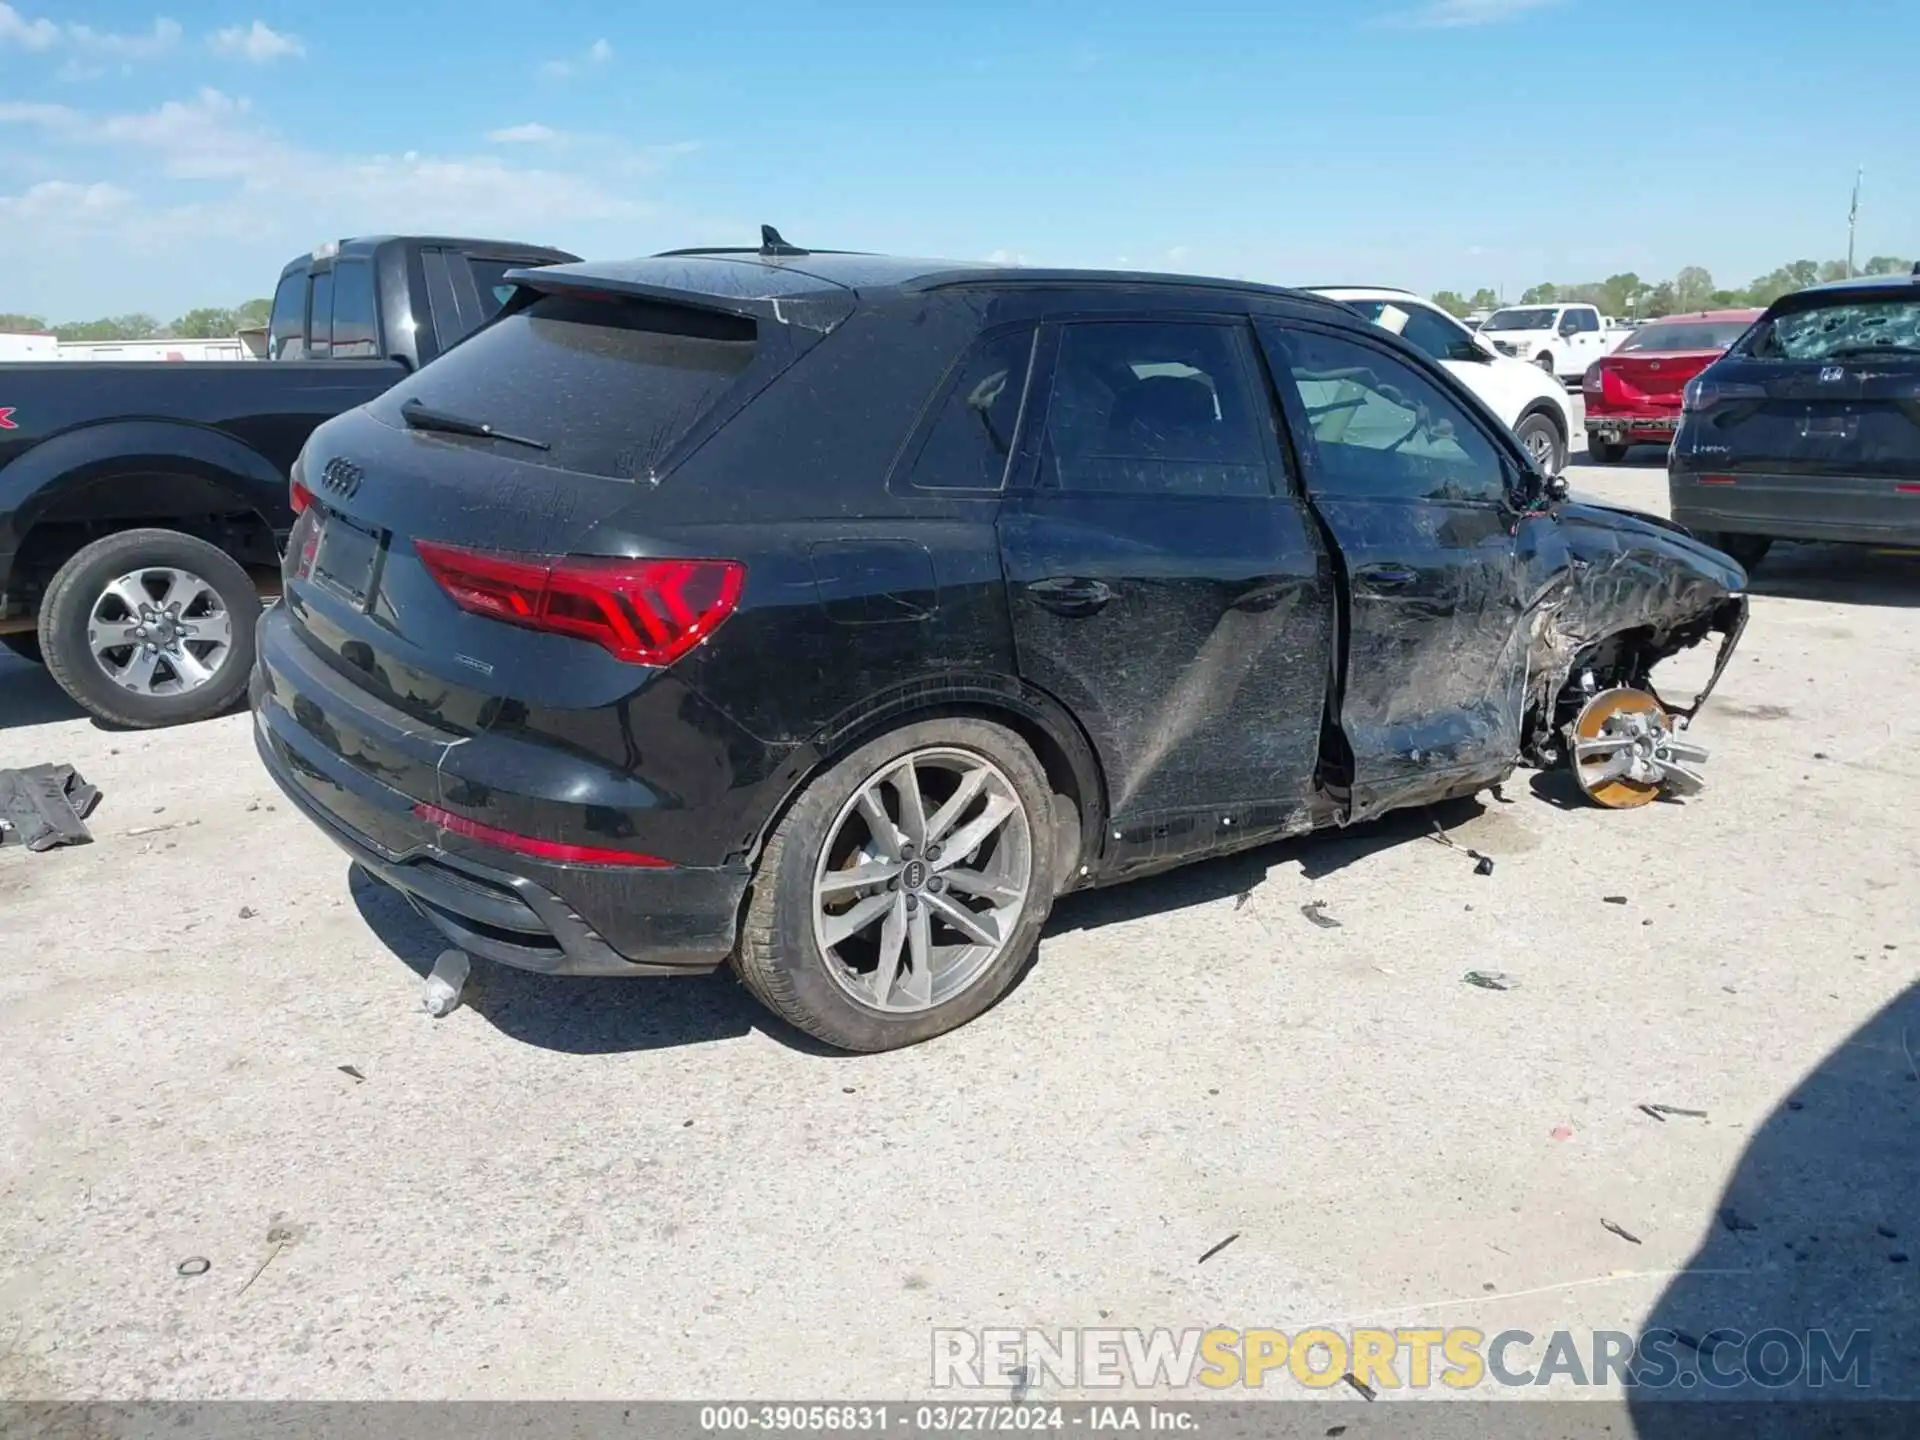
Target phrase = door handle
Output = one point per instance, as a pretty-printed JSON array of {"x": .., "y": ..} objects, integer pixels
[
  {"x": 1070, "y": 594},
  {"x": 1387, "y": 577}
]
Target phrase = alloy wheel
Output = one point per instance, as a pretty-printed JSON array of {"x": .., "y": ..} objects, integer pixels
[
  {"x": 159, "y": 631},
  {"x": 923, "y": 879}
]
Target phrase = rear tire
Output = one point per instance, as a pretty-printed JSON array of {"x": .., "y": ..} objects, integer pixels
[
  {"x": 26, "y": 645},
  {"x": 825, "y": 838},
  {"x": 199, "y": 600},
  {"x": 1603, "y": 452},
  {"x": 1749, "y": 550}
]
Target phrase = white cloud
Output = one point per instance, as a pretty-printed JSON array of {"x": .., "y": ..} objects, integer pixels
[
  {"x": 64, "y": 200},
  {"x": 259, "y": 43},
  {"x": 529, "y": 134},
  {"x": 1464, "y": 14},
  {"x": 16, "y": 29},
  {"x": 1006, "y": 257},
  {"x": 598, "y": 53},
  {"x": 164, "y": 36}
]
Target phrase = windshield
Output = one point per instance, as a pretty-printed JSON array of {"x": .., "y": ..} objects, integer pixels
[
  {"x": 1531, "y": 319},
  {"x": 1841, "y": 329},
  {"x": 1689, "y": 335}
]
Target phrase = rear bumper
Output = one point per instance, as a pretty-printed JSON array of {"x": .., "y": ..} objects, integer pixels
[
  {"x": 1798, "y": 507},
  {"x": 1641, "y": 429},
  {"x": 557, "y": 919}
]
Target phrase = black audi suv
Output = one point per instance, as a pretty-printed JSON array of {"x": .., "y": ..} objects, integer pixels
[{"x": 831, "y": 614}]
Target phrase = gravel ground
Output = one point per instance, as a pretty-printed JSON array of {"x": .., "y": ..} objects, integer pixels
[{"x": 633, "y": 1189}]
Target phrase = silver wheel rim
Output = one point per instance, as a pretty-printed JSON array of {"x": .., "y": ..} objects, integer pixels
[
  {"x": 1539, "y": 444},
  {"x": 159, "y": 631},
  {"x": 922, "y": 880}
]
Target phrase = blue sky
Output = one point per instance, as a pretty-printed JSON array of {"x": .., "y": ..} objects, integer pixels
[{"x": 158, "y": 159}]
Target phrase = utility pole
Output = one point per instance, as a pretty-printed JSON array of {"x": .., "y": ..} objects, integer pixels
[{"x": 1853, "y": 216}]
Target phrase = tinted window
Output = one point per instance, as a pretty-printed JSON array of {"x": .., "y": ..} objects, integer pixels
[
  {"x": 1529, "y": 319},
  {"x": 1841, "y": 330},
  {"x": 354, "y": 336},
  {"x": 1428, "y": 330},
  {"x": 440, "y": 298},
  {"x": 320, "y": 318},
  {"x": 1382, "y": 430},
  {"x": 1684, "y": 335},
  {"x": 287, "y": 329},
  {"x": 610, "y": 385},
  {"x": 971, "y": 441},
  {"x": 487, "y": 280},
  {"x": 1154, "y": 409}
]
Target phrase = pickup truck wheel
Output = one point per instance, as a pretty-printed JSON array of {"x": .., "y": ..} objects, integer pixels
[
  {"x": 905, "y": 889},
  {"x": 26, "y": 646},
  {"x": 1605, "y": 452},
  {"x": 149, "y": 628}
]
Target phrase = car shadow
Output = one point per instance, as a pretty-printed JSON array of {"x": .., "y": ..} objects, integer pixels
[
  {"x": 1843, "y": 574},
  {"x": 1640, "y": 457},
  {"x": 593, "y": 1016},
  {"x": 1817, "y": 1230},
  {"x": 1319, "y": 855},
  {"x": 28, "y": 695},
  {"x": 579, "y": 1015}
]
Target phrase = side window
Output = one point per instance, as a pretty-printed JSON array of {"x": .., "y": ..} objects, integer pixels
[
  {"x": 972, "y": 440},
  {"x": 1430, "y": 332},
  {"x": 440, "y": 297},
  {"x": 1383, "y": 431},
  {"x": 287, "y": 329},
  {"x": 1154, "y": 409},
  {"x": 320, "y": 318},
  {"x": 489, "y": 282},
  {"x": 1589, "y": 321},
  {"x": 355, "y": 335}
]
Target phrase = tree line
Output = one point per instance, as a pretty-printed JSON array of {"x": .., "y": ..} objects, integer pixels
[
  {"x": 1692, "y": 289},
  {"x": 210, "y": 322}
]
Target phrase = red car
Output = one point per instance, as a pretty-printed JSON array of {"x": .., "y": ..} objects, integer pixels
[{"x": 1633, "y": 395}]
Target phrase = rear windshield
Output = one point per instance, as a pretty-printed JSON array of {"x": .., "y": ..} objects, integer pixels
[
  {"x": 1520, "y": 320},
  {"x": 1840, "y": 331},
  {"x": 1685, "y": 335},
  {"x": 609, "y": 385}
]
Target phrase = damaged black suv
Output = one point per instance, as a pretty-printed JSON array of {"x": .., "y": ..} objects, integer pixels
[{"x": 832, "y": 614}]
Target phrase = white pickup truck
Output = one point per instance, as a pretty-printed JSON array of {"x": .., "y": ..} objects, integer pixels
[{"x": 1562, "y": 340}]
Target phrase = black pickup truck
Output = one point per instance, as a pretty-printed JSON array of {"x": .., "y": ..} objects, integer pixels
[{"x": 143, "y": 507}]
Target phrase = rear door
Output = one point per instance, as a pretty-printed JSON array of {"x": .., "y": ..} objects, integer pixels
[
  {"x": 1416, "y": 492},
  {"x": 1165, "y": 580}
]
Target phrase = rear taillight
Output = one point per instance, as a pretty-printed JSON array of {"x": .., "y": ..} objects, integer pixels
[
  {"x": 299, "y": 496},
  {"x": 1703, "y": 392},
  {"x": 646, "y": 612},
  {"x": 1592, "y": 382}
]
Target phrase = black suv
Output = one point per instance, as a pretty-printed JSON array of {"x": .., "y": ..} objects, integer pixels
[{"x": 834, "y": 613}]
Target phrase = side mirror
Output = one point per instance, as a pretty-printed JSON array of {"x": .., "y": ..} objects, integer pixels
[{"x": 1556, "y": 488}]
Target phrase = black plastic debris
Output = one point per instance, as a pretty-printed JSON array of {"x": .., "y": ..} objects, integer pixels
[
  {"x": 1615, "y": 899},
  {"x": 1650, "y": 1110},
  {"x": 1364, "y": 1390},
  {"x": 1621, "y": 1231},
  {"x": 1490, "y": 980},
  {"x": 1735, "y": 1221},
  {"x": 1677, "y": 1110},
  {"x": 350, "y": 1072},
  {"x": 1218, "y": 1248},
  {"x": 193, "y": 1265},
  {"x": 1316, "y": 911},
  {"x": 44, "y": 806},
  {"x": 1483, "y": 866}
]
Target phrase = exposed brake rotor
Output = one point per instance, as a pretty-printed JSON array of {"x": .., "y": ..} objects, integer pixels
[{"x": 1626, "y": 750}]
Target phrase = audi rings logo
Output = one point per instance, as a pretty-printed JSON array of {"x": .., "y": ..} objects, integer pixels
[{"x": 341, "y": 477}]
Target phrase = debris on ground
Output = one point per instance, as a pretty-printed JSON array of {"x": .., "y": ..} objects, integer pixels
[
  {"x": 1316, "y": 911},
  {"x": 247, "y": 912},
  {"x": 1240, "y": 900},
  {"x": 1614, "y": 899},
  {"x": 1620, "y": 1230},
  {"x": 1365, "y": 1391},
  {"x": 442, "y": 992},
  {"x": 1218, "y": 1248},
  {"x": 193, "y": 1265},
  {"x": 1886, "y": 1232},
  {"x": 45, "y": 805},
  {"x": 1491, "y": 980},
  {"x": 277, "y": 1237},
  {"x": 1664, "y": 1110},
  {"x": 1735, "y": 1222},
  {"x": 350, "y": 1071},
  {"x": 1563, "y": 1132},
  {"x": 1482, "y": 864}
]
